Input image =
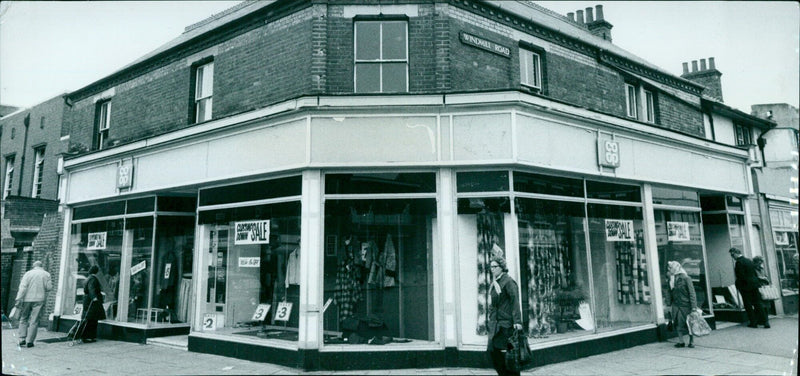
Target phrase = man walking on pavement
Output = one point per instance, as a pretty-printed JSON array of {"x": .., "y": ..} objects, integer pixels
[
  {"x": 747, "y": 284},
  {"x": 32, "y": 291}
]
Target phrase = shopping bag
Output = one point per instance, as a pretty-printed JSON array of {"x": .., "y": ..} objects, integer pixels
[
  {"x": 697, "y": 324},
  {"x": 518, "y": 353},
  {"x": 768, "y": 292}
]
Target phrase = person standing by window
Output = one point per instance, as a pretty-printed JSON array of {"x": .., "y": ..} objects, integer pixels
[
  {"x": 747, "y": 284},
  {"x": 30, "y": 298},
  {"x": 763, "y": 280},
  {"x": 504, "y": 314},
  {"x": 92, "y": 306}
]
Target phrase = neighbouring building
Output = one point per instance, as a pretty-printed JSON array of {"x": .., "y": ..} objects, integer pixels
[
  {"x": 31, "y": 145},
  {"x": 322, "y": 184},
  {"x": 776, "y": 181}
]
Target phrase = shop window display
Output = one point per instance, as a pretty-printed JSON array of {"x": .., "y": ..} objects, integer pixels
[
  {"x": 786, "y": 250},
  {"x": 482, "y": 227},
  {"x": 139, "y": 240},
  {"x": 553, "y": 267},
  {"x": 172, "y": 289},
  {"x": 378, "y": 283},
  {"x": 94, "y": 243},
  {"x": 618, "y": 266},
  {"x": 678, "y": 235},
  {"x": 252, "y": 285}
]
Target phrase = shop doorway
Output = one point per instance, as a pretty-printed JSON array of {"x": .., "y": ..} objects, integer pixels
[{"x": 723, "y": 228}]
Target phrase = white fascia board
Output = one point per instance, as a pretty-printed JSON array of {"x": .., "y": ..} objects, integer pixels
[
  {"x": 372, "y": 101},
  {"x": 381, "y": 100}
]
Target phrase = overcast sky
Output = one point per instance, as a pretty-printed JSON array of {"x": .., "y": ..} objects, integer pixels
[{"x": 47, "y": 48}]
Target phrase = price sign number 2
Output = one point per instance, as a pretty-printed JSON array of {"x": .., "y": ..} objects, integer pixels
[{"x": 210, "y": 321}]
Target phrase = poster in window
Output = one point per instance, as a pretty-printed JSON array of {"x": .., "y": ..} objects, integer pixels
[
  {"x": 678, "y": 231},
  {"x": 252, "y": 232},
  {"x": 781, "y": 238},
  {"x": 619, "y": 230},
  {"x": 97, "y": 240}
]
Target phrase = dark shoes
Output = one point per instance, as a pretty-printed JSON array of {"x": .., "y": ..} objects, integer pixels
[
  {"x": 22, "y": 343},
  {"x": 680, "y": 344},
  {"x": 766, "y": 326},
  {"x": 752, "y": 326},
  {"x": 29, "y": 345},
  {"x": 89, "y": 340},
  {"x": 691, "y": 346}
]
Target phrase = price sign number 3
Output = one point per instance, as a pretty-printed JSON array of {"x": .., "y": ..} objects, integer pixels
[
  {"x": 284, "y": 311},
  {"x": 261, "y": 312}
]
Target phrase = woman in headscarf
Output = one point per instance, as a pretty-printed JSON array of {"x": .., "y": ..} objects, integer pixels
[
  {"x": 684, "y": 302},
  {"x": 763, "y": 280},
  {"x": 504, "y": 314}
]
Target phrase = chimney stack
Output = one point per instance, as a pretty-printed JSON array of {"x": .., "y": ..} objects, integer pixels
[
  {"x": 598, "y": 26},
  {"x": 571, "y": 16},
  {"x": 580, "y": 17},
  {"x": 708, "y": 76},
  {"x": 599, "y": 12}
]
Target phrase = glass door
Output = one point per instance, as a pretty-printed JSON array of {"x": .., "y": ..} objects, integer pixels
[{"x": 217, "y": 273}]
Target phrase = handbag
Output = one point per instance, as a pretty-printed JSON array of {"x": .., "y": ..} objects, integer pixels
[
  {"x": 697, "y": 324},
  {"x": 518, "y": 353},
  {"x": 768, "y": 292}
]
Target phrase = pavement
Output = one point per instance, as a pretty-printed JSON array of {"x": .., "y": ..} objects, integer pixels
[{"x": 732, "y": 349}]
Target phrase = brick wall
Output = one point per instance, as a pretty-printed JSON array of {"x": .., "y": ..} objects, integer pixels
[
  {"x": 311, "y": 52},
  {"x": 44, "y": 131},
  {"x": 47, "y": 248},
  {"x": 252, "y": 69},
  {"x": 24, "y": 211},
  {"x": 680, "y": 116}
]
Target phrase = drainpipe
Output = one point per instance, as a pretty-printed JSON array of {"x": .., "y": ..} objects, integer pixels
[{"x": 27, "y": 123}]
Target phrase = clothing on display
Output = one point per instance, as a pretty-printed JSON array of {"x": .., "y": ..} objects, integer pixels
[
  {"x": 548, "y": 268},
  {"x": 631, "y": 265},
  {"x": 293, "y": 268},
  {"x": 489, "y": 227}
]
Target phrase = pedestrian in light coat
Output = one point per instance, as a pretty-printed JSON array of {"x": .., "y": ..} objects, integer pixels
[
  {"x": 30, "y": 298},
  {"x": 683, "y": 302}
]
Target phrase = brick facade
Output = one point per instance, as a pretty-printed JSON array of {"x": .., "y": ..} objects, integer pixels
[
  {"x": 44, "y": 130},
  {"x": 309, "y": 51}
]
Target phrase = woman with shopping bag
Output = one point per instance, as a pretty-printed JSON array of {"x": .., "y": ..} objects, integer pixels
[
  {"x": 683, "y": 301},
  {"x": 504, "y": 315}
]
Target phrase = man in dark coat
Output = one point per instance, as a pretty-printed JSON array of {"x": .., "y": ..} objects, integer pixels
[
  {"x": 92, "y": 306},
  {"x": 504, "y": 315},
  {"x": 747, "y": 283}
]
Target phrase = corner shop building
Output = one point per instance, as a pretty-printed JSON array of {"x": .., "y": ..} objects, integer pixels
[{"x": 354, "y": 231}]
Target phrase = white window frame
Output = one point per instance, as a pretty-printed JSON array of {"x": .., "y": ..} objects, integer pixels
[
  {"x": 530, "y": 63},
  {"x": 380, "y": 61},
  {"x": 38, "y": 172},
  {"x": 631, "y": 101},
  {"x": 649, "y": 103},
  {"x": 104, "y": 123},
  {"x": 204, "y": 92},
  {"x": 9, "y": 176}
]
